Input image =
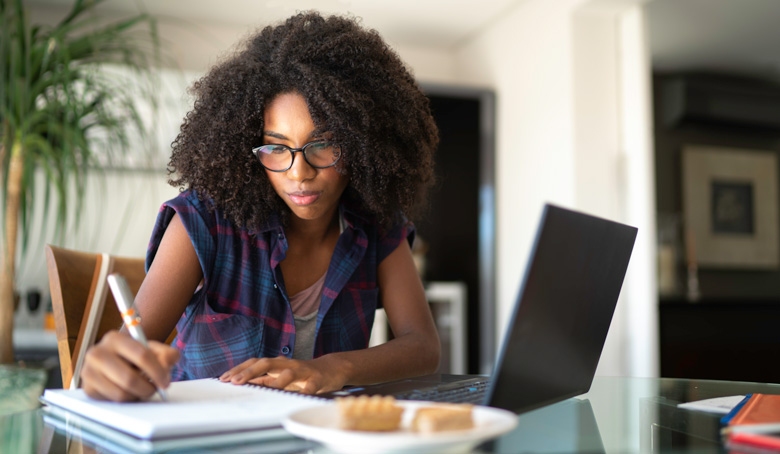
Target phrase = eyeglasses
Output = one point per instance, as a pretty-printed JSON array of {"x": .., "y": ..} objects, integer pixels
[{"x": 319, "y": 154}]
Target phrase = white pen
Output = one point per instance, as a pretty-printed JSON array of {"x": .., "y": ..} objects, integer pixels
[{"x": 124, "y": 301}]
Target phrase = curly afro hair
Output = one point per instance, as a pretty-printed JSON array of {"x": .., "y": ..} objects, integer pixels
[{"x": 357, "y": 89}]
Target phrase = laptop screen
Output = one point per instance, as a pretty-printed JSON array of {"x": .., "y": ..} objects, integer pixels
[{"x": 565, "y": 305}]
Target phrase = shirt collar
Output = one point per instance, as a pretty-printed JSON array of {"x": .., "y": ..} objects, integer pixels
[
  {"x": 353, "y": 217},
  {"x": 273, "y": 222}
]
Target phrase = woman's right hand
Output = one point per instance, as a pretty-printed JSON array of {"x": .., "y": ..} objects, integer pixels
[{"x": 119, "y": 368}]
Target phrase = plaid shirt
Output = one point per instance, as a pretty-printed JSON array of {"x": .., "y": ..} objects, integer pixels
[{"x": 242, "y": 311}]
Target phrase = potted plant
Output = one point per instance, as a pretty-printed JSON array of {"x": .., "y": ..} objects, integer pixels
[{"x": 61, "y": 114}]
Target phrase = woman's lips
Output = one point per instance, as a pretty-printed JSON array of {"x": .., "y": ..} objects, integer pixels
[{"x": 304, "y": 198}]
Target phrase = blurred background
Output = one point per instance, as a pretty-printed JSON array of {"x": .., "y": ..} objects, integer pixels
[{"x": 588, "y": 104}]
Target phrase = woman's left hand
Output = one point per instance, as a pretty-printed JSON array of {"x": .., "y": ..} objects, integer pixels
[
  {"x": 414, "y": 349},
  {"x": 307, "y": 377}
]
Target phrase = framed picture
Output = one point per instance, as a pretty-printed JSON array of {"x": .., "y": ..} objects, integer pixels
[{"x": 730, "y": 206}]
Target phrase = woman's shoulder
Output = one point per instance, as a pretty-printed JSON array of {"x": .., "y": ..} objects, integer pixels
[
  {"x": 190, "y": 199},
  {"x": 191, "y": 206},
  {"x": 195, "y": 205}
]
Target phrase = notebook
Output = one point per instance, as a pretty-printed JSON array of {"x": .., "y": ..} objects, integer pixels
[
  {"x": 756, "y": 413},
  {"x": 201, "y": 408},
  {"x": 560, "y": 321}
]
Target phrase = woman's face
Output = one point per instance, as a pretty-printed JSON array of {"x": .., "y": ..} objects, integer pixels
[{"x": 311, "y": 194}]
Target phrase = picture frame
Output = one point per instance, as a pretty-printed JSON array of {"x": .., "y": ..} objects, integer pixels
[{"x": 730, "y": 207}]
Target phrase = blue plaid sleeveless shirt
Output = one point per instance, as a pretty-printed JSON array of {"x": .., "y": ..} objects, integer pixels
[{"x": 242, "y": 310}]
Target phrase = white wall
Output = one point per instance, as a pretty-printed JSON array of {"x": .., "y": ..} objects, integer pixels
[
  {"x": 119, "y": 211},
  {"x": 563, "y": 114},
  {"x": 430, "y": 65},
  {"x": 526, "y": 58},
  {"x": 639, "y": 200}
]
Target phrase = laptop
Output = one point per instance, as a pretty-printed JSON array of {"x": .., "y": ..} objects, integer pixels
[{"x": 558, "y": 327}]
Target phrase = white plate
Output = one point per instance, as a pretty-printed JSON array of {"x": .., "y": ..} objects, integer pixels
[{"x": 321, "y": 424}]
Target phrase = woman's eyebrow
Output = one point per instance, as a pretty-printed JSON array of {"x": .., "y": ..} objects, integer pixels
[
  {"x": 314, "y": 134},
  {"x": 275, "y": 135}
]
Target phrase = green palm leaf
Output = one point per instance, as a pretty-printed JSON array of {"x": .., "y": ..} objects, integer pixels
[{"x": 61, "y": 116}]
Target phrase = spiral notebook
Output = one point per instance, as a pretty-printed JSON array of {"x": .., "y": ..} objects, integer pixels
[{"x": 194, "y": 407}]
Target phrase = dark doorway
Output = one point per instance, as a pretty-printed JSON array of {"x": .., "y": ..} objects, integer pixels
[{"x": 459, "y": 226}]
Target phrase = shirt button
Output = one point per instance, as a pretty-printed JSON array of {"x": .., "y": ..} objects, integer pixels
[
  {"x": 275, "y": 286},
  {"x": 285, "y": 350}
]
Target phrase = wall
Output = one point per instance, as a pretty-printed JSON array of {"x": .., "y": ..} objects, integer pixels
[
  {"x": 573, "y": 129},
  {"x": 526, "y": 58}
]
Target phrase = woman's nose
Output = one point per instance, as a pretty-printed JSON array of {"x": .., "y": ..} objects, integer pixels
[{"x": 300, "y": 170}]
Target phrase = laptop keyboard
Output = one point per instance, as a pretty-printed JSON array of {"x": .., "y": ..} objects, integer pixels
[{"x": 470, "y": 393}]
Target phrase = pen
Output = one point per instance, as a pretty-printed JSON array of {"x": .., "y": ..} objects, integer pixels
[{"x": 124, "y": 301}]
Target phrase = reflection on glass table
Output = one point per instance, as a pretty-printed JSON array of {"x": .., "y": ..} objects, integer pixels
[
  {"x": 617, "y": 415},
  {"x": 20, "y": 388},
  {"x": 569, "y": 426}
]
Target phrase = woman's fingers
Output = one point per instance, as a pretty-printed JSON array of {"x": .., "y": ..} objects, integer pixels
[
  {"x": 245, "y": 371},
  {"x": 257, "y": 367},
  {"x": 102, "y": 388},
  {"x": 285, "y": 377},
  {"x": 108, "y": 375},
  {"x": 281, "y": 373},
  {"x": 165, "y": 356},
  {"x": 236, "y": 370},
  {"x": 119, "y": 368},
  {"x": 264, "y": 380},
  {"x": 147, "y": 362}
]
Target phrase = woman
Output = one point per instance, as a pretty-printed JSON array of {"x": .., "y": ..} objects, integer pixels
[{"x": 300, "y": 163}]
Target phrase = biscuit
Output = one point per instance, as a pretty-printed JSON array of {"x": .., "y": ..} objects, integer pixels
[
  {"x": 443, "y": 418},
  {"x": 375, "y": 413}
]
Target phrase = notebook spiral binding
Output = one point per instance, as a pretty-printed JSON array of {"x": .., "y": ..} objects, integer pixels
[{"x": 285, "y": 392}]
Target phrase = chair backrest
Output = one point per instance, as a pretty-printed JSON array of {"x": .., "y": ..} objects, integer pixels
[{"x": 84, "y": 309}]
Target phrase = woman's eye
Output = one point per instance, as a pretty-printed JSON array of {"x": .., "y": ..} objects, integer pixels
[
  {"x": 277, "y": 149},
  {"x": 320, "y": 146}
]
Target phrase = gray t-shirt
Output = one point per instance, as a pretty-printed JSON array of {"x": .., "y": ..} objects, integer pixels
[{"x": 304, "y": 336}]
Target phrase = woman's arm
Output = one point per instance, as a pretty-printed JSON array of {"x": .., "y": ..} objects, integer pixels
[
  {"x": 117, "y": 367},
  {"x": 414, "y": 350},
  {"x": 168, "y": 286}
]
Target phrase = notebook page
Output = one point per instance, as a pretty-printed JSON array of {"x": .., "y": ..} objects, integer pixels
[
  {"x": 193, "y": 391},
  {"x": 194, "y": 407}
]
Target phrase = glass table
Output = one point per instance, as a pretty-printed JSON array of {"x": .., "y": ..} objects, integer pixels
[{"x": 617, "y": 415}]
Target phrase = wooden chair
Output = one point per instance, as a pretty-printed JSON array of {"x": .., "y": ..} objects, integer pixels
[{"x": 84, "y": 309}]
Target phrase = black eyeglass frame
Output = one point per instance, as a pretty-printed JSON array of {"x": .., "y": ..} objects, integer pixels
[{"x": 336, "y": 152}]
